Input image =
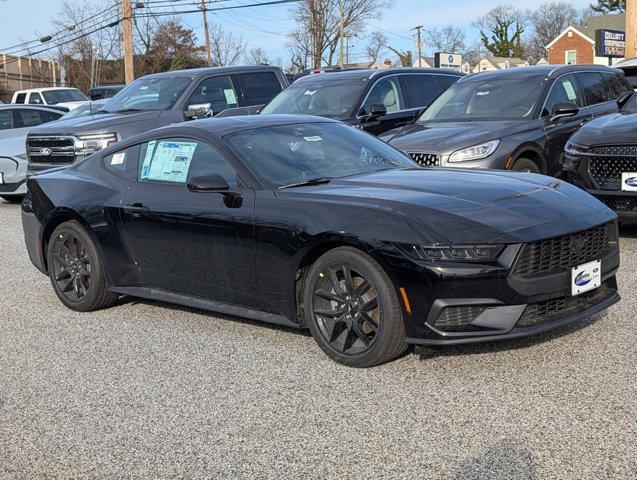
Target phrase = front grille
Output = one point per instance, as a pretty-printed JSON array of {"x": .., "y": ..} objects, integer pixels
[
  {"x": 51, "y": 150},
  {"x": 426, "y": 159},
  {"x": 609, "y": 162},
  {"x": 620, "y": 204},
  {"x": 559, "y": 253},
  {"x": 457, "y": 316},
  {"x": 556, "y": 308}
]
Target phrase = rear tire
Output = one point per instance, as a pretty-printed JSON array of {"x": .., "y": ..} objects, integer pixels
[
  {"x": 12, "y": 198},
  {"x": 525, "y": 165},
  {"x": 76, "y": 270},
  {"x": 352, "y": 309}
]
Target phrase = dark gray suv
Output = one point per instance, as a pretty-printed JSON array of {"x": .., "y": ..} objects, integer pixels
[
  {"x": 150, "y": 102},
  {"x": 516, "y": 119}
]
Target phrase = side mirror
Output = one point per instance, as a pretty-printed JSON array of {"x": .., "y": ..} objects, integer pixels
[
  {"x": 563, "y": 109},
  {"x": 624, "y": 98},
  {"x": 199, "y": 110},
  {"x": 378, "y": 110},
  {"x": 212, "y": 182}
]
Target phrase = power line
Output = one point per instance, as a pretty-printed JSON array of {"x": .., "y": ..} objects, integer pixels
[{"x": 232, "y": 7}]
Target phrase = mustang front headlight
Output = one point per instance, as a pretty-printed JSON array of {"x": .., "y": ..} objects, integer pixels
[
  {"x": 92, "y": 143},
  {"x": 453, "y": 253},
  {"x": 476, "y": 152}
]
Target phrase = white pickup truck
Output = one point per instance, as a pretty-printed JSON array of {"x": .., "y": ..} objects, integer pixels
[{"x": 58, "y": 96}]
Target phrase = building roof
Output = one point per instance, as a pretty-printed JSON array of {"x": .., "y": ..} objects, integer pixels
[{"x": 597, "y": 22}]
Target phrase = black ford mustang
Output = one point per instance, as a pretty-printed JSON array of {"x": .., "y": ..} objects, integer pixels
[{"x": 307, "y": 222}]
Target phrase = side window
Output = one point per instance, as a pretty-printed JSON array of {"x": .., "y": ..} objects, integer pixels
[
  {"x": 175, "y": 160},
  {"x": 20, "y": 98},
  {"x": 564, "y": 89},
  {"x": 421, "y": 90},
  {"x": 386, "y": 91},
  {"x": 46, "y": 116},
  {"x": 217, "y": 91},
  {"x": 595, "y": 90},
  {"x": 35, "y": 98},
  {"x": 445, "y": 81},
  {"x": 28, "y": 117},
  {"x": 615, "y": 84},
  {"x": 123, "y": 163},
  {"x": 6, "y": 120},
  {"x": 259, "y": 88}
]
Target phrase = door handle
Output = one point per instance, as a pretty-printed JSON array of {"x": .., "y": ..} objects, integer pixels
[{"x": 136, "y": 209}]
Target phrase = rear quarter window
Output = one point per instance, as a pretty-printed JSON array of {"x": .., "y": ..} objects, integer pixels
[
  {"x": 20, "y": 98},
  {"x": 259, "y": 88},
  {"x": 123, "y": 163}
]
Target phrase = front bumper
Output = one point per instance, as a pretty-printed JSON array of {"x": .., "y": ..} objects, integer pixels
[{"x": 12, "y": 176}]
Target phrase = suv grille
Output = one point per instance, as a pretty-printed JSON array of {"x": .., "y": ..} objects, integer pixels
[
  {"x": 557, "y": 254},
  {"x": 51, "y": 150},
  {"x": 609, "y": 162},
  {"x": 426, "y": 159},
  {"x": 556, "y": 308}
]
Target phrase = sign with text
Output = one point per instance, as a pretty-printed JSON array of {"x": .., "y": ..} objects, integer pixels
[
  {"x": 610, "y": 43},
  {"x": 448, "y": 60}
]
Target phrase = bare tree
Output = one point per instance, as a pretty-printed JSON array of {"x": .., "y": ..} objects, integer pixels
[
  {"x": 226, "y": 48},
  {"x": 256, "y": 56},
  {"x": 377, "y": 43},
  {"x": 548, "y": 21},
  {"x": 318, "y": 24},
  {"x": 448, "y": 39}
]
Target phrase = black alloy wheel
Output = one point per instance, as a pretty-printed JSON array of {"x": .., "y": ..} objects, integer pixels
[
  {"x": 352, "y": 309},
  {"x": 76, "y": 270}
]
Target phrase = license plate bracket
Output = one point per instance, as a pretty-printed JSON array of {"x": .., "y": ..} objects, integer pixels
[{"x": 586, "y": 277}]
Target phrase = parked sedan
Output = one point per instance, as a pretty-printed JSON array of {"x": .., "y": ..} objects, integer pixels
[
  {"x": 309, "y": 223},
  {"x": 516, "y": 119},
  {"x": 19, "y": 119},
  {"x": 13, "y": 168}
]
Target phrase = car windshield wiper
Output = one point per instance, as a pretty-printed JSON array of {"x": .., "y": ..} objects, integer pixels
[
  {"x": 128, "y": 110},
  {"x": 313, "y": 181}
]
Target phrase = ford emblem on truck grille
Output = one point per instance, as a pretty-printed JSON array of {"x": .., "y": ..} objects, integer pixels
[{"x": 45, "y": 151}]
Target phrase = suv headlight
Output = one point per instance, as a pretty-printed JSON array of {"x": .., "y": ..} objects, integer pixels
[
  {"x": 574, "y": 149},
  {"x": 93, "y": 143},
  {"x": 474, "y": 153},
  {"x": 452, "y": 253}
]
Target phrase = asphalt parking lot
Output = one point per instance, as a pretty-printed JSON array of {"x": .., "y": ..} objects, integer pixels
[{"x": 144, "y": 390}]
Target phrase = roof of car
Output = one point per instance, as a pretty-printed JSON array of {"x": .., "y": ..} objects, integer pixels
[
  {"x": 107, "y": 87},
  {"x": 551, "y": 71},
  {"x": 31, "y": 106},
  {"x": 365, "y": 73},
  {"x": 196, "y": 72},
  {"x": 46, "y": 89}
]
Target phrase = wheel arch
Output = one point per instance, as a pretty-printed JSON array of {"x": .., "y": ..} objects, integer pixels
[{"x": 532, "y": 152}]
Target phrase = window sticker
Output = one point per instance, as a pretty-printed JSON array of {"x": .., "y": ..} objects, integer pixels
[
  {"x": 118, "y": 158},
  {"x": 231, "y": 97},
  {"x": 482, "y": 93},
  {"x": 314, "y": 138},
  {"x": 310, "y": 92},
  {"x": 168, "y": 161},
  {"x": 570, "y": 91}
]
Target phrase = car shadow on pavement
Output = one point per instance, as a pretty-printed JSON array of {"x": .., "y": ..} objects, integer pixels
[
  {"x": 513, "y": 344},
  {"x": 628, "y": 231},
  {"x": 505, "y": 459}
]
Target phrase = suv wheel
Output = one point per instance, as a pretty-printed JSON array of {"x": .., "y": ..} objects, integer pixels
[
  {"x": 525, "y": 165},
  {"x": 352, "y": 309}
]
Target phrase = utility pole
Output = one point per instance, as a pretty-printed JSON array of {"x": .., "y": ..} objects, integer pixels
[
  {"x": 341, "y": 33},
  {"x": 419, "y": 43},
  {"x": 631, "y": 29},
  {"x": 129, "y": 73},
  {"x": 205, "y": 32}
]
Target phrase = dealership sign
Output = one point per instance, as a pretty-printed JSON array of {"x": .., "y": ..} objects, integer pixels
[
  {"x": 610, "y": 43},
  {"x": 448, "y": 60}
]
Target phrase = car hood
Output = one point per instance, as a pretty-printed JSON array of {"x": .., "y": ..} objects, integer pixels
[
  {"x": 97, "y": 123},
  {"x": 616, "y": 128},
  {"x": 12, "y": 146},
  {"x": 471, "y": 206},
  {"x": 446, "y": 137}
]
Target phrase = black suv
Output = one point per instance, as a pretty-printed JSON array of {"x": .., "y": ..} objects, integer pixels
[
  {"x": 516, "y": 119},
  {"x": 150, "y": 102},
  {"x": 601, "y": 158},
  {"x": 373, "y": 100}
]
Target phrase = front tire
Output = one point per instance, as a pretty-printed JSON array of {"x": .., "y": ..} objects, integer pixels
[
  {"x": 76, "y": 270},
  {"x": 525, "y": 165},
  {"x": 352, "y": 309}
]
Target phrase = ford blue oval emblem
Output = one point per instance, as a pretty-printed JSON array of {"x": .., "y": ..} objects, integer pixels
[
  {"x": 450, "y": 59},
  {"x": 631, "y": 181},
  {"x": 582, "y": 279}
]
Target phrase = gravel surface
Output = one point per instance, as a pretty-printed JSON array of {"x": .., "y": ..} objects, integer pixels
[{"x": 145, "y": 390}]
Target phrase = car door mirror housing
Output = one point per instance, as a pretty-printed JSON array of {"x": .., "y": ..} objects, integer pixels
[
  {"x": 563, "y": 109},
  {"x": 624, "y": 98},
  {"x": 212, "y": 182},
  {"x": 199, "y": 110}
]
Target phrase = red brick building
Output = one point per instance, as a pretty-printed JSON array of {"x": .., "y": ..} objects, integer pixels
[{"x": 576, "y": 44}]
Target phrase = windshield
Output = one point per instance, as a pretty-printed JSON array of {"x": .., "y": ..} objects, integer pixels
[
  {"x": 288, "y": 154},
  {"x": 148, "y": 94},
  {"x": 57, "y": 96},
  {"x": 333, "y": 98},
  {"x": 511, "y": 97},
  {"x": 84, "y": 110}
]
